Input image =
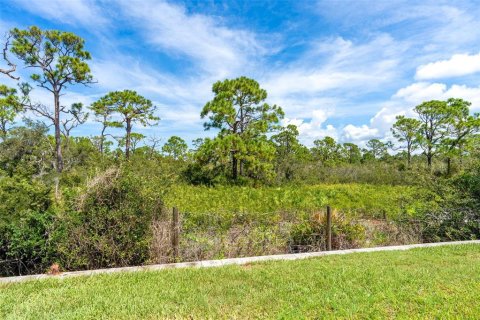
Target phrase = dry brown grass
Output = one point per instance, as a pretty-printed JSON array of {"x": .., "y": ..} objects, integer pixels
[
  {"x": 161, "y": 245},
  {"x": 96, "y": 186}
]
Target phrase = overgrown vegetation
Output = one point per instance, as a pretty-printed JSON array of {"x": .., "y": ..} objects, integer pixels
[
  {"x": 254, "y": 188},
  {"x": 356, "y": 200}
]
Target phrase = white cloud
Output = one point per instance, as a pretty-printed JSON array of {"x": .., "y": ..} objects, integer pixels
[
  {"x": 384, "y": 119},
  {"x": 121, "y": 72},
  {"x": 4, "y": 28},
  {"x": 179, "y": 101},
  {"x": 359, "y": 133},
  {"x": 337, "y": 64},
  {"x": 441, "y": 30},
  {"x": 325, "y": 80},
  {"x": 303, "y": 81},
  {"x": 419, "y": 92},
  {"x": 333, "y": 78},
  {"x": 379, "y": 14},
  {"x": 322, "y": 83},
  {"x": 45, "y": 98},
  {"x": 456, "y": 26},
  {"x": 314, "y": 128},
  {"x": 457, "y": 65},
  {"x": 218, "y": 49},
  {"x": 378, "y": 126},
  {"x": 304, "y": 107},
  {"x": 403, "y": 102},
  {"x": 84, "y": 12},
  {"x": 465, "y": 92},
  {"x": 438, "y": 26}
]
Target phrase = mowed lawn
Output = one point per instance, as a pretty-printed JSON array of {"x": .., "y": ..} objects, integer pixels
[{"x": 440, "y": 282}]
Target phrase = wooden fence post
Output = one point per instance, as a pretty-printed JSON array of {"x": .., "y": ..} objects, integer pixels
[
  {"x": 329, "y": 229},
  {"x": 175, "y": 233}
]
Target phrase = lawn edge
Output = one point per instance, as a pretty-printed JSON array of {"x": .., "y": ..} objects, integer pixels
[{"x": 231, "y": 261}]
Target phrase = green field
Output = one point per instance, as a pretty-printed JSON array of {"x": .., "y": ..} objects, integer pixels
[
  {"x": 354, "y": 199},
  {"x": 440, "y": 282},
  {"x": 224, "y": 222}
]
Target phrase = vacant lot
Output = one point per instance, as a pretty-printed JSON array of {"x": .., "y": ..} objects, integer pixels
[
  {"x": 353, "y": 199},
  {"x": 441, "y": 282}
]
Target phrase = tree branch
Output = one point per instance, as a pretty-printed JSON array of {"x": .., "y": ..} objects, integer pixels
[{"x": 12, "y": 66}]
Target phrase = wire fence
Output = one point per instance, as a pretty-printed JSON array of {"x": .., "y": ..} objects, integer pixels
[
  {"x": 189, "y": 236},
  {"x": 182, "y": 236}
]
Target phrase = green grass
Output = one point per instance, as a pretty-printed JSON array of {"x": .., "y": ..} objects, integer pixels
[
  {"x": 354, "y": 199},
  {"x": 440, "y": 282}
]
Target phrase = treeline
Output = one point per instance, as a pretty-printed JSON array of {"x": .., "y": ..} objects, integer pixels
[
  {"x": 250, "y": 144},
  {"x": 89, "y": 202}
]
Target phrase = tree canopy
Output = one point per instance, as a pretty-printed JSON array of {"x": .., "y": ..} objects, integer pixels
[
  {"x": 57, "y": 59},
  {"x": 10, "y": 106},
  {"x": 175, "y": 148},
  {"x": 129, "y": 107},
  {"x": 407, "y": 130},
  {"x": 240, "y": 112}
]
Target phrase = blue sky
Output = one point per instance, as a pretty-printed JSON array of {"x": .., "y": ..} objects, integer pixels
[{"x": 338, "y": 68}]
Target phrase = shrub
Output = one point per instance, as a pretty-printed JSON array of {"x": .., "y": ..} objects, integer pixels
[
  {"x": 111, "y": 224},
  {"x": 458, "y": 218},
  {"x": 26, "y": 225},
  {"x": 452, "y": 224},
  {"x": 28, "y": 246}
]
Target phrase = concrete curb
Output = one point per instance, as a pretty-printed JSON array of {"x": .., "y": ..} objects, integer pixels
[{"x": 232, "y": 261}]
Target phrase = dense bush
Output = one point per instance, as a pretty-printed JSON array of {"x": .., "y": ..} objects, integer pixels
[
  {"x": 110, "y": 225},
  {"x": 452, "y": 224},
  {"x": 26, "y": 152},
  {"x": 27, "y": 226},
  {"x": 458, "y": 217}
]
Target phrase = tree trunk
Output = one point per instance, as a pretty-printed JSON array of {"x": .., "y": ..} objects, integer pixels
[
  {"x": 234, "y": 156},
  {"x": 128, "y": 138},
  {"x": 58, "y": 138},
  {"x": 288, "y": 174},
  {"x": 409, "y": 155},
  {"x": 3, "y": 129},
  {"x": 234, "y": 166},
  {"x": 449, "y": 165},
  {"x": 102, "y": 138},
  {"x": 57, "y": 188},
  {"x": 429, "y": 156}
]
